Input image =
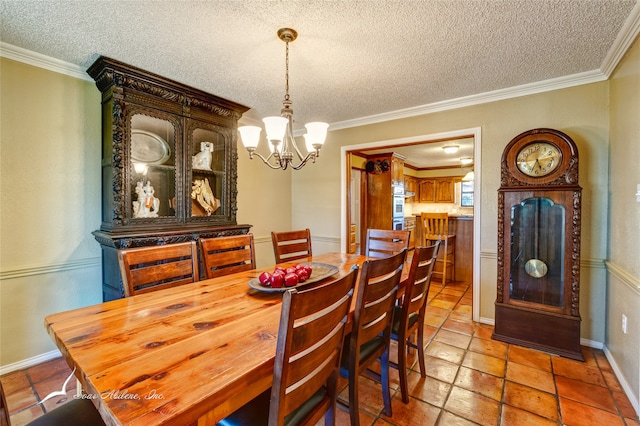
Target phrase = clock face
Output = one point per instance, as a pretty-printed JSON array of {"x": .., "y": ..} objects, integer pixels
[{"x": 538, "y": 159}]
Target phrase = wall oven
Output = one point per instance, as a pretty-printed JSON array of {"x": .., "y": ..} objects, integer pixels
[
  {"x": 398, "y": 224},
  {"x": 398, "y": 202},
  {"x": 398, "y": 206}
]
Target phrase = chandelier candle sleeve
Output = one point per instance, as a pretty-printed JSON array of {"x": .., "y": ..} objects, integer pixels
[{"x": 282, "y": 144}]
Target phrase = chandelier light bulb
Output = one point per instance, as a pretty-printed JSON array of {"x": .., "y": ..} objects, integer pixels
[
  {"x": 250, "y": 136},
  {"x": 316, "y": 133}
]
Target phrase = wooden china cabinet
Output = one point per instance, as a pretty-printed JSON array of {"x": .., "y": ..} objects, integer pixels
[{"x": 169, "y": 164}]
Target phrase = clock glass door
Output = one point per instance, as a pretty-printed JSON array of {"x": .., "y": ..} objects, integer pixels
[{"x": 537, "y": 252}]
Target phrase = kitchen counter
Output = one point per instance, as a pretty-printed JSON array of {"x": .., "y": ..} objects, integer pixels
[
  {"x": 451, "y": 215},
  {"x": 462, "y": 226}
]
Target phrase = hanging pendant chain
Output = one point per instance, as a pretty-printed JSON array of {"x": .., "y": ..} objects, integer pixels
[{"x": 286, "y": 87}]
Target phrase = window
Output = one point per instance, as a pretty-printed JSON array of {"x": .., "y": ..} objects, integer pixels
[{"x": 466, "y": 194}]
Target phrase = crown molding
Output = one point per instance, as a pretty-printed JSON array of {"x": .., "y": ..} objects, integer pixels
[
  {"x": 29, "y": 57},
  {"x": 481, "y": 98},
  {"x": 627, "y": 35}
]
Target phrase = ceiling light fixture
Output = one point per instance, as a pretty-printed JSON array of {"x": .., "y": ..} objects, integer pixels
[
  {"x": 279, "y": 130},
  {"x": 450, "y": 149},
  {"x": 465, "y": 161}
]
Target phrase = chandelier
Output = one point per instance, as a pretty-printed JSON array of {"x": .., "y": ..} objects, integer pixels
[{"x": 282, "y": 145}]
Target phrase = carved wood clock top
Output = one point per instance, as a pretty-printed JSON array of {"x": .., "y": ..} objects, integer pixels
[{"x": 540, "y": 157}]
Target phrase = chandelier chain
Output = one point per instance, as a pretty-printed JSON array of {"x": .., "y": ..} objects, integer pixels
[{"x": 286, "y": 84}]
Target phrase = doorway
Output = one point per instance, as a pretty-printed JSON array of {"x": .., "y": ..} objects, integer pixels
[{"x": 348, "y": 192}]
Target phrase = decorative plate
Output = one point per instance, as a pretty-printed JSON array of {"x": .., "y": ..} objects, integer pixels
[
  {"x": 319, "y": 272},
  {"x": 148, "y": 148}
]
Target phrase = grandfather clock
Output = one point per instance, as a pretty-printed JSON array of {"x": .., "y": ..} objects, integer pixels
[{"x": 539, "y": 203}]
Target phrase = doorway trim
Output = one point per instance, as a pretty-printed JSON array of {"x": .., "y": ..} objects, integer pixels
[{"x": 476, "y": 133}]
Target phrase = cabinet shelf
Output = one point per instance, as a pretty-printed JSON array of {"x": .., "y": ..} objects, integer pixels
[{"x": 207, "y": 172}]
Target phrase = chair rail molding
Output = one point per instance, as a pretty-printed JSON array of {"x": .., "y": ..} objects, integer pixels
[
  {"x": 50, "y": 268},
  {"x": 625, "y": 277}
]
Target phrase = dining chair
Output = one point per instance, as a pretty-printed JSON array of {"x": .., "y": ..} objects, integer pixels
[
  {"x": 371, "y": 329},
  {"x": 436, "y": 228},
  {"x": 76, "y": 412},
  {"x": 409, "y": 314},
  {"x": 146, "y": 269},
  {"x": 305, "y": 378},
  {"x": 385, "y": 242},
  {"x": 291, "y": 245},
  {"x": 227, "y": 255}
]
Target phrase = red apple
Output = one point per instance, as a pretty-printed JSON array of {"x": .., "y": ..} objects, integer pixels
[
  {"x": 276, "y": 280},
  {"x": 264, "y": 278},
  {"x": 290, "y": 280},
  {"x": 302, "y": 274}
]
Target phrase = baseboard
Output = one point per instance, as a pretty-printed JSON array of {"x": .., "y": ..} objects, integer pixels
[
  {"x": 591, "y": 343},
  {"x": 625, "y": 386},
  {"x": 29, "y": 362},
  {"x": 488, "y": 321}
]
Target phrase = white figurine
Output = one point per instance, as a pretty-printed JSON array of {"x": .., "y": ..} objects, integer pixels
[
  {"x": 202, "y": 160},
  {"x": 147, "y": 205}
]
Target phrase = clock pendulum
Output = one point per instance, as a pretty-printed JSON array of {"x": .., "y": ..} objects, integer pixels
[{"x": 534, "y": 266}]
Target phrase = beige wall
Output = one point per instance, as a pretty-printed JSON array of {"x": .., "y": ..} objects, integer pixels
[
  {"x": 264, "y": 201},
  {"x": 49, "y": 203},
  {"x": 623, "y": 263}
]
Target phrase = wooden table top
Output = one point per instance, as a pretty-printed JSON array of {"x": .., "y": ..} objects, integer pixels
[{"x": 186, "y": 355}]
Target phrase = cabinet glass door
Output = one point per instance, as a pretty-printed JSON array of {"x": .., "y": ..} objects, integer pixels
[
  {"x": 153, "y": 167},
  {"x": 208, "y": 172}
]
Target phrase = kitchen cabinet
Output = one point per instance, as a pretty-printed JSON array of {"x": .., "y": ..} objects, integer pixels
[
  {"x": 445, "y": 190},
  {"x": 380, "y": 190},
  {"x": 427, "y": 190},
  {"x": 169, "y": 164},
  {"x": 437, "y": 190},
  {"x": 397, "y": 170},
  {"x": 411, "y": 185}
]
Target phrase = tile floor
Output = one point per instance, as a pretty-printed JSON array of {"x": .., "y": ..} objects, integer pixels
[{"x": 471, "y": 380}]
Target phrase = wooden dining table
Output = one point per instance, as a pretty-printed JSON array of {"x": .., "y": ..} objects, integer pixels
[{"x": 187, "y": 355}]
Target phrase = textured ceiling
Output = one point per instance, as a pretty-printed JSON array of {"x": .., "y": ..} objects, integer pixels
[{"x": 352, "y": 59}]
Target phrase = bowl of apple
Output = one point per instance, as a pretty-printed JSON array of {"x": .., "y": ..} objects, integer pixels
[{"x": 285, "y": 277}]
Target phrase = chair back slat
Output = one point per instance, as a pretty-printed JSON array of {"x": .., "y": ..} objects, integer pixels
[
  {"x": 418, "y": 281},
  {"x": 375, "y": 301},
  {"x": 227, "y": 255},
  {"x": 291, "y": 245},
  {"x": 385, "y": 242},
  {"x": 146, "y": 269},
  {"x": 310, "y": 340},
  {"x": 435, "y": 225}
]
